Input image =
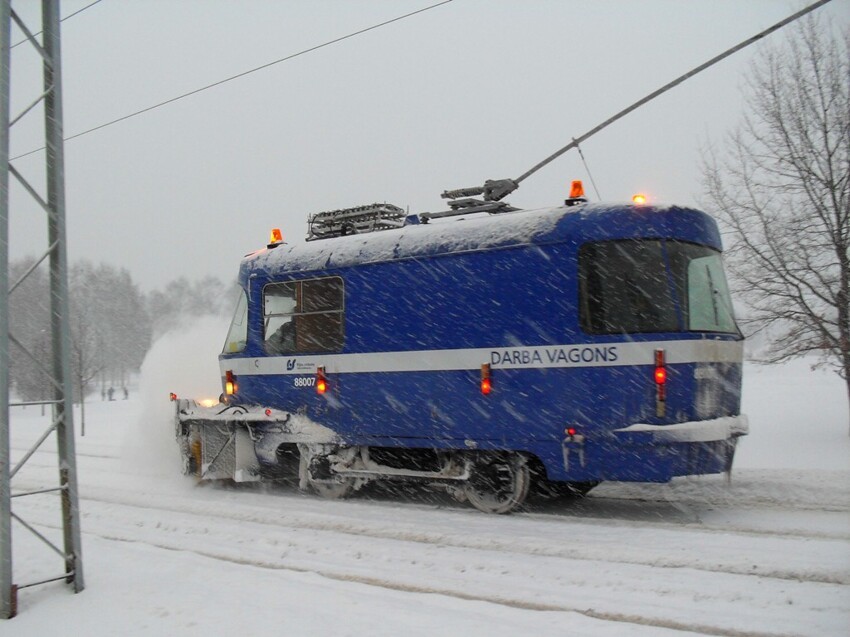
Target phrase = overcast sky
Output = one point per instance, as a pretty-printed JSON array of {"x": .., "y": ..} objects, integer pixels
[{"x": 468, "y": 91}]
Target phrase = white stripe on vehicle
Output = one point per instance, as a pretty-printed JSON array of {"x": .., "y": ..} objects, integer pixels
[{"x": 574, "y": 355}]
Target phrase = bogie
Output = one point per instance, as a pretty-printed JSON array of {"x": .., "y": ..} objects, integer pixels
[{"x": 492, "y": 482}]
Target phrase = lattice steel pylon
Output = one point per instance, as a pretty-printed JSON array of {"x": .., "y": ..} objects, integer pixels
[{"x": 53, "y": 204}]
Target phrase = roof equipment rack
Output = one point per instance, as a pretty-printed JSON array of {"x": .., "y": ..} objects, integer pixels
[{"x": 357, "y": 220}]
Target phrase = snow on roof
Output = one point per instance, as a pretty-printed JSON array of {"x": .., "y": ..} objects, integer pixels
[
  {"x": 474, "y": 232},
  {"x": 444, "y": 236}
]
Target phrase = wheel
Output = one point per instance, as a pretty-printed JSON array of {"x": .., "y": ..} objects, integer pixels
[
  {"x": 498, "y": 483},
  {"x": 316, "y": 473},
  {"x": 336, "y": 489}
]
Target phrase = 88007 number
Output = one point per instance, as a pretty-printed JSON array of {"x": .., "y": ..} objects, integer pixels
[{"x": 305, "y": 381}]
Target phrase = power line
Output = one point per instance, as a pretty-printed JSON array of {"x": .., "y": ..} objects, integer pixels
[
  {"x": 243, "y": 74},
  {"x": 666, "y": 88},
  {"x": 70, "y": 15}
]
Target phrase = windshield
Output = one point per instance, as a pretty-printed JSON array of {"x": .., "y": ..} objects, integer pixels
[
  {"x": 237, "y": 335},
  {"x": 653, "y": 285}
]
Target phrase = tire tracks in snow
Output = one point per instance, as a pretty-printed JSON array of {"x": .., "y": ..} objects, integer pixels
[
  {"x": 467, "y": 555},
  {"x": 646, "y": 555},
  {"x": 501, "y": 600}
]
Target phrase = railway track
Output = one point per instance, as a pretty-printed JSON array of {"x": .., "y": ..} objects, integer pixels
[
  {"x": 755, "y": 559},
  {"x": 619, "y": 570}
]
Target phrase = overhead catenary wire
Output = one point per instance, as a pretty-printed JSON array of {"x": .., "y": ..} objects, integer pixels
[
  {"x": 70, "y": 15},
  {"x": 243, "y": 74},
  {"x": 577, "y": 140}
]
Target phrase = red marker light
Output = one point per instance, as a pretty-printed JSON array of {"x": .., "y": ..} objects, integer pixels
[
  {"x": 275, "y": 236},
  {"x": 230, "y": 385},
  {"x": 321, "y": 381},
  {"x": 172, "y": 396},
  {"x": 660, "y": 377},
  {"x": 268, "y": 412},
  {"x": 571, "y": 431},
  {"x": 660, "y": 367},
  {"x": 486, "y": 383}
]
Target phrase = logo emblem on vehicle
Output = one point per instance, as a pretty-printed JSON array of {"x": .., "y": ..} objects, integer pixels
[{"x": 290, "y": 365}]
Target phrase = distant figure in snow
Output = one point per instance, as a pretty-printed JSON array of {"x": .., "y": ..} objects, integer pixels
[
  {"x": 111, "y": 393},
  {"x": 126, "y": 394},
  {"x": 103, "y": 393}
]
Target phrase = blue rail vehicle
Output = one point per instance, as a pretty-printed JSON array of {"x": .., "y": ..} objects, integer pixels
[{"x": 486, "y": 353}]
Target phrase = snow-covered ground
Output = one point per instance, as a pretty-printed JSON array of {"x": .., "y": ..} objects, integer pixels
[{"x": 768, "y": 554}]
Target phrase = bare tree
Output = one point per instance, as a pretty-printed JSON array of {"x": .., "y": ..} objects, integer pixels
[
  {"x": 87, "y": 355},
  {"x": 110, "y": 328},
  {"x": 29, "y": 325},
  {"x": 184, "y": 300},
  {"x": 781, "y": 188}
]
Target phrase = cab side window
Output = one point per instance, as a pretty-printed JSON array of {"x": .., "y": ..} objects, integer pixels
[{"x": 304, "y": 316}]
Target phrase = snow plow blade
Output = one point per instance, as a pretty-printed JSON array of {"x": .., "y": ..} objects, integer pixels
[{"x": 216, "y": 442}]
